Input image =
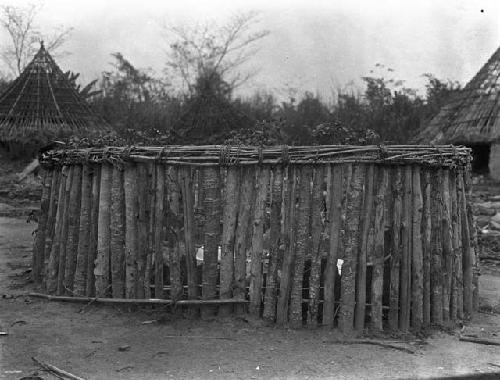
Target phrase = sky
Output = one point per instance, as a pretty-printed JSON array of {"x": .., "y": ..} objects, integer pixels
[{"x": 313, "y": 45}]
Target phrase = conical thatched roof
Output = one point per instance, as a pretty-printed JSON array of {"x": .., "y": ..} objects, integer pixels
[
  {"x": 42, "y": 104},
  {"x": 473, "y": 115}
]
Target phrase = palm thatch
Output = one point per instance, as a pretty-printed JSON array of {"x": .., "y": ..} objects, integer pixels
[
  {"x": 43, "y": 104},
  {"x": 473, "y": 115}
]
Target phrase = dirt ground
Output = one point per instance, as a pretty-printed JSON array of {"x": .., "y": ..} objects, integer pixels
[{"x": 85, "y": 339}]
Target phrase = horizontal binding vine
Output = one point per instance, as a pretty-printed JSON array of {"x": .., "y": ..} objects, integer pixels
[{"x": 226, "y": 155}]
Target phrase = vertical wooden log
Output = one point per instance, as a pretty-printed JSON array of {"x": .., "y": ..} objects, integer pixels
[
  {"x": 94, "y": 218},
  {"x": 447, "y": 244},
  {"x": 117, "y": 231},
  {"x": 53, "y": 265},
  {"x": 397, "y": 191},
  {"x": 348, "y": 279},
  {"x": 229, "y": 218},
  {"x": 64, "y": 233},
  {"x": 426, "y": 248},
  {"x": 102, "y": 263},
  {"x": 131, "y": 218},
  {"x": 455, "y": 247},
  {"x": 257, "y": 250},
  {"x": 366, "y": 214},
  {"x": 303, "y": 211},
  {"x": 173, "y": 231},
  {"x": 150, "y": 215},
  {"x": 241, "y": 241},
  {"x": 459, "y": 254},
  {"x": 466, "y": 248},
  {"x": 334, "y": 192},
  {"x": 189, "y": 231},
  {"x": 473, "y": 239},
  {"x": 378, "y": 256},
  {"x": 142, "y": 230},
  {"x": 158, "y": 227},
  {"x": 317, "y": 228},
  {"x": 417, "y": 315},
  {"x": 405, "y": 281},
  {"x": 39, "y": 246},
  {"x": 436, "y": 249},
  {"x": 289, "y": 256},
  {"x": 275, "y": 242},
  {"x": 211, "y": 205},
  {"x": 51, "y": 217},
  {"x": 73, "y": 229},
  {"x": 84, "y": 232}
]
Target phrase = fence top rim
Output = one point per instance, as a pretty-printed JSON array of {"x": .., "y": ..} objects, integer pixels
[{"x": 231, "y": 155}]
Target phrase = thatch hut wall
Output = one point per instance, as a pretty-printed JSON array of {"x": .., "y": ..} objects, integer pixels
[{"x": 345, "y": 236}]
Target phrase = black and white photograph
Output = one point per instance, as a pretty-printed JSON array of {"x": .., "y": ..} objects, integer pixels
[{"x": 249, "y": 189}]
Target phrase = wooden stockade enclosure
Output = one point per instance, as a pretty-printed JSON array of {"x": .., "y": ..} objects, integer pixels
[{"x": 226, "y": 229}]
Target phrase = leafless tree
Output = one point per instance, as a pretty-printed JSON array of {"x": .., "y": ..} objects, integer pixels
[
  {"x": 207, "y": 48},
  {"x": 25, "y": 35}
]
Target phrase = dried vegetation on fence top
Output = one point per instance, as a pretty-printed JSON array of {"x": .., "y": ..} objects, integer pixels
[{"x": 210, "y": 155}]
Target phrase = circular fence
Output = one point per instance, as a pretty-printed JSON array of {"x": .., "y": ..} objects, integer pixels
[{"x": 345, "y": 236}]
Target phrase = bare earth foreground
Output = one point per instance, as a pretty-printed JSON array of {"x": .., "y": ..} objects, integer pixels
[{"x": 85, "y": 340}]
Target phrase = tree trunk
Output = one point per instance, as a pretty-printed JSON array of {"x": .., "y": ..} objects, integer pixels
[
  {"x": 363, "y": 249},
  {"x": 211, "y": 205},
  {"x": 84, "y": 233},
  {"x": 397, "y": 190},
  {"x": 102, "y": 267},
  {"x": 255, "y": 289},
  {"x": 229, "y": 220},
  {"x": 117, "y": 238},
  {"x": 335, "y": 186},
  {"x": 348, "y": 279},
  {"x": 317, "y": 228},
  {"x": 378, "y": 256},
  {"x": 275, "y": 242}
]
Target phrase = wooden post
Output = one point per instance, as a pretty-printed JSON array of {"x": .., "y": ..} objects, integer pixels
[
  {"x": 303, "y": 211},
  {"x": 348, "y": 279},
  {"x": 64, "y": 233},
  {"x": 84, "y": 233},
  {"x": 73, "y": 229},
  {"x": 334, "y": 191},
  {"x": 131, "y": 214},
  {"x": 51, "y": 218},
  {"x": 101, "y": 270},
  {"x": 459, "y": 253},
  {"x": 241, "y": 242},
  {"x": 142, "y": 230},
  {"x": 53, "y": 265},
  {"x": 473, "y": 239},
  {"x": 173, "y": 224},
  {"x": 275, "y": 242},
  {"x": 317, "y": 228},
  {"x": 39, "y": 246},
  {"x": 426, "y": 248},
  {"x": 157, "y": 228},
  {"x": 436, "y": 249},
  {"x": 406, "y": 239},
  {"x": 94, "y": 218},
  {"x": 455, "y": 224},
  {"x": 466, "y": 248},
  {"x": 150, "y": 217},
  {"x": 417, "y": 315},
  {"x": 289, "y": 256},
  {"x": 229, "y": 219},
  {"x": 397, "y": 190},
  {"x": 447, "y": 244},
  {"x": 257, "y": 247},
  {"x": 189, "y": 230},
  {"x": 117, "y": 231},
  {"x": 211, "y": 205},
  {"x": 366, "y": 215},
  {"x": 378, "y": 256}
]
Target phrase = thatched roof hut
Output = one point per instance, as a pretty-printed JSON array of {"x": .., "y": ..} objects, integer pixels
[
  {"x": 42, "y": 104},
  {"x": 472, "y": 118}
]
